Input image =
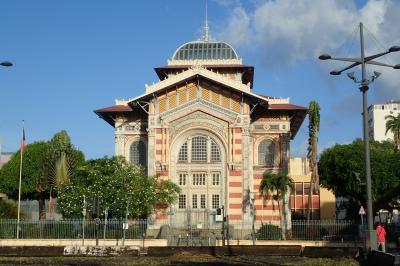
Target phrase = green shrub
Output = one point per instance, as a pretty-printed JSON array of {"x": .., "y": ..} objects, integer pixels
[
  {"x": 269, "y": 232},
  {"x": 9, "y": 210}
]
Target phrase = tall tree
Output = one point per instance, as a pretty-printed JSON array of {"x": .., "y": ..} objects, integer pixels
[
  {"x": 32, "y": 161},
  {"x": 275, "y": 186},
  {"x": 313, "y": 129},
  {"x": 60, "y": 162},
  {"x": 393, "y": 125},
  {"x": 342, "y": 171},
  {"x": 39, "y": 160}
]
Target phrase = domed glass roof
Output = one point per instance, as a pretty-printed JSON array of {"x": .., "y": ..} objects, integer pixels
[{"x": 205, "y": 50}]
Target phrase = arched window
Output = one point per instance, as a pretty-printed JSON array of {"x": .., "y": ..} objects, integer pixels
[
  {"x": 215, "y": 153},
  {"x": 137, "y": 153},
  {"x": 199, "y": 149},
  {"x": 183, "y": 153},
  {"x": 266, "y": 153}
]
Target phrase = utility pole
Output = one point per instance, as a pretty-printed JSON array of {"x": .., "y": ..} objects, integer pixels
[
  {"x": 364, "y": 86},
  {"x": 83, "y": 220},
  {"x": 125, "y": 225}
]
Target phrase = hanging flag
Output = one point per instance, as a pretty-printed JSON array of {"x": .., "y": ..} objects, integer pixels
[{"x": 23, "y": 140}]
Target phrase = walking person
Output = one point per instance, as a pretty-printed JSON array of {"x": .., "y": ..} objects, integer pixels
[{"x": 381, "y": 236}]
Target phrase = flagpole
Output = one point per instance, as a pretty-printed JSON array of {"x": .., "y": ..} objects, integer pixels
[{"x": 20, "y": 178}]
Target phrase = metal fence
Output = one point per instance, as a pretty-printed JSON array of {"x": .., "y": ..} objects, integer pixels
[
  {"x": 325, "y": 230},
  {"x": 72, "y": 229},
  {"x": 334, "y": 230}
]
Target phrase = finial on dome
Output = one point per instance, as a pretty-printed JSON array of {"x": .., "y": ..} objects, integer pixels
[{"x": 206, "y": 36}]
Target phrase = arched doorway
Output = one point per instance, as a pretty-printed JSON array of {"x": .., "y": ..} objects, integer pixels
[{"x": 198, "y": 167}]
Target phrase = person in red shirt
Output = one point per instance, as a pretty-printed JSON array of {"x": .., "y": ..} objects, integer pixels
[{"x": 381, "y": 236}]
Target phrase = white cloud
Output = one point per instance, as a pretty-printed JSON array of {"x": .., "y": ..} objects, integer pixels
[
  {"x": 238, "y": 29},
  {"x": 287, "y": 31}
]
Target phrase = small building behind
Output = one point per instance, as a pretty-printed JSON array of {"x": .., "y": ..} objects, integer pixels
[
  {"x": 323, "y": 203},
  {"x": 377, "y": 119}
]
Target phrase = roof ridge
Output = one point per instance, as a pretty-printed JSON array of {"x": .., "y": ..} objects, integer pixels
[{"x": 195, "y": 69}]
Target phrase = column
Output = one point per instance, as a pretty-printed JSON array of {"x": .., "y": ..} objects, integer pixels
[
  {"x": 151, "y": 143},
  {"x": 247, "y": 179}
]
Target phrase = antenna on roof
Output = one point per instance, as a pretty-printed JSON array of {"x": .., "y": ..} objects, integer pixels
[{"x": 206, "y": 36}]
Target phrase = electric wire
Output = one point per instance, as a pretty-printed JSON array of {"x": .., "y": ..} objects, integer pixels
[
  {"x": 377, "y": 43},
  {"x": 352, "y": 37}
]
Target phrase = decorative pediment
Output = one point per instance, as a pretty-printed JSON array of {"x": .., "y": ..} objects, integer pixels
[
  {"x": 196, "y": 105},
  {"x": 202, "y": 71},
  {"x": 190, "y": 74},
  {"x": 198, "y": 119}
]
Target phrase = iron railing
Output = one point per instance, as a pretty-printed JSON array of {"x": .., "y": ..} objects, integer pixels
[
  {"x": 72, "y": 229},
  {"x": 329, "y": 230}
]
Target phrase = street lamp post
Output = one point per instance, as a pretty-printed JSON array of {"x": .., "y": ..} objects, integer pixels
[
  {"x": 364, "y": 83},
  {"x": 6, "y": 64}
]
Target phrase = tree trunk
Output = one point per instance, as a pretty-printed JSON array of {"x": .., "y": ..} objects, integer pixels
[
  {"x": 42, "y": 206},
  {"x": 314, "y": 181},
  {"x": 287, "y": 215},
  {"x": 282, "y": 218}
]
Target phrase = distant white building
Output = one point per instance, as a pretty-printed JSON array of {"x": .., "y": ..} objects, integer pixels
[
  {"x": 377, "y": 121},
  {"x": 5, "y": 157}
]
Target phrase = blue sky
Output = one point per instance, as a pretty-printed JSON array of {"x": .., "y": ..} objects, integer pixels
[{"x": 72, "y": 57}]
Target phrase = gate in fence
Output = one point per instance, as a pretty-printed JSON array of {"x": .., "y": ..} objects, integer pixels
[{"x": 193, "y": 227}]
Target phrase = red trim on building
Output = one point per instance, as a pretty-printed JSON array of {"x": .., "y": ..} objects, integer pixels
[
  {"x": 299, "y": 202},
  {"x": 267, "y": 218},
  {"x": 235, "y": 184},
  {"x": 238, "y": 151},
  {"x": 235, "y": 217},
  {"x": 161, "y": 216},
  {"x": 158, "y": 130},
  {"x": 235, "y": 195},
  {"x": 162, "y": 173},
  {"x": 235, "y": 173},
  {"x": 238, "y": 141},
  {"x": 235, "y": 206},
  {"x": 268, "y": 206},
  {"x": 315, "y": 202},
  {"x": 305, "y": 201},
  {"x": 257, "y": 187},
  {"x": 260, "y": 197},
  {"x": 158, "y": 141},
  {"x": 286, "y": 106},
  {"x": 238, "y": 130},
  {"x": 115, "y": 108},
  {"x": 258, "y": 176}
]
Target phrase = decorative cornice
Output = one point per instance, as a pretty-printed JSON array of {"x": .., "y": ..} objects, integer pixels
[
  {"x": 173, "y": 62},
  {"x": 278, "y": 100}
]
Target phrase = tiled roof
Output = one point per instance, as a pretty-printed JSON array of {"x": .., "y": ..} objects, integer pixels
[
  {"x": 115, "y": 108},
  {"x": 286, "y": 107},
  {"x": 109, "y": 113}
]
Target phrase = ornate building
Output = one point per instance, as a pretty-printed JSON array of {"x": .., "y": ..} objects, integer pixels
[{"x": 202, "y": 127}]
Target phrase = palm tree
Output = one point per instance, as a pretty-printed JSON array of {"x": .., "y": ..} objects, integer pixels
[
  {"x": 275, "y": 186},
  {"x": 313, "y": 128},
  {"x": 393, "y": 124},
  {"x": 60, "y": 173}
]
